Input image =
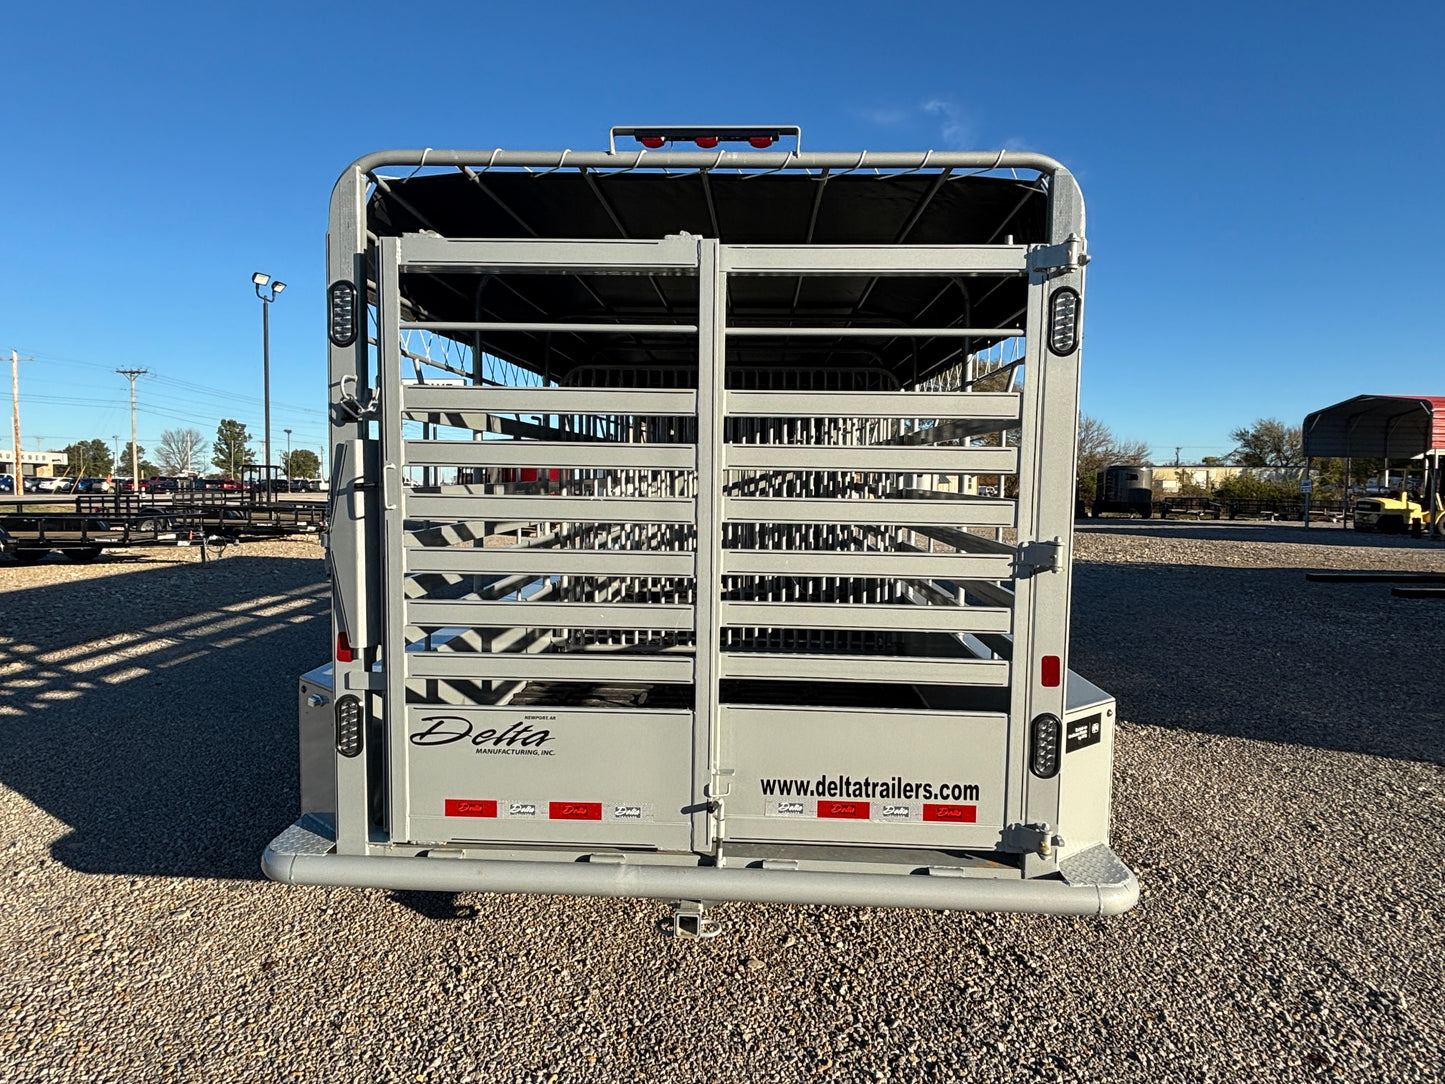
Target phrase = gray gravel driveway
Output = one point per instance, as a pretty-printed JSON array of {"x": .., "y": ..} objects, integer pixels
[{"x": 1280, "y": 790}]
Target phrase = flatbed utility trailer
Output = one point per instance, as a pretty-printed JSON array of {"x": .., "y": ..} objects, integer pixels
[{"x": 659, "y": 566}]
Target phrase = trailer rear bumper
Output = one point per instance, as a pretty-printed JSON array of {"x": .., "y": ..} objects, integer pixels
[{"x": 1092, "y": 882}]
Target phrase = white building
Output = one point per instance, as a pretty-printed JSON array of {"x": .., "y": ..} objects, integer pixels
[{"x": 42, "y": 463}]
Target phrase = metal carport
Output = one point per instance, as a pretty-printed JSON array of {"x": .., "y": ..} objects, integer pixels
[{"x": 1381, "y": 427}]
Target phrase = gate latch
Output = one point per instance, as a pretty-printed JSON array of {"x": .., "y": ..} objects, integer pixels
[
  {"x": 347, "y": 400},
  {"x": 1040, "y": 556}
]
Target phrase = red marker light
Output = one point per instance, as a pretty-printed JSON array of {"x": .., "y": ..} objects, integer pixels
[
  {"x": 344, "y": 652},
  {"x": 707, "y": 143},
  {"x": 1051, "y": 672},
  {"x": 762, "y": 143},
  {"x": 651, "y": 142}
]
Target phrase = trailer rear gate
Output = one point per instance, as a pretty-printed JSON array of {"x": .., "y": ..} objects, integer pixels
[{"x": 658, "y": 558}]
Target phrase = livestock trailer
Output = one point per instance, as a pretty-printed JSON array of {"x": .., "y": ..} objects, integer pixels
[
  {"x": 1124, "y": 489},
  {"x": 658, "y": 558}
]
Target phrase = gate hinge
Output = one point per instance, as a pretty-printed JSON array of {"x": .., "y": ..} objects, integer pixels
[
  {"x": 1068, "y": 255},
  {"x": 1040, "y": 556}
]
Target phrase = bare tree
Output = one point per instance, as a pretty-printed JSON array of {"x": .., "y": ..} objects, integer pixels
[
  {"x": 180, "y": 450},
  {"x": 1098, "y": 448}
]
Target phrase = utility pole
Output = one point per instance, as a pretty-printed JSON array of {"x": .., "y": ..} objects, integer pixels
[
  {"x": 131, "y": 374},
  {"x": 15, "y": 360},
  {"x": 1177, "y": 449},
  {"x": 115, "y": 454}
]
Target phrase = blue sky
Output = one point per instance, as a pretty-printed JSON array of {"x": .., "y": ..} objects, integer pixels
[{"x": 1262, "y": 179}]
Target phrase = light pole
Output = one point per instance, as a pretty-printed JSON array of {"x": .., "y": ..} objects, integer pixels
[
  {"x": 288, "y": 459},
  {"x": 115, "y": 455},
  {"x": 260, "y": 279}
]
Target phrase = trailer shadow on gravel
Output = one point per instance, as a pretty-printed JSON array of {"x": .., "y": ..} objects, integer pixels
[
  {"x": 154, "y": 712},
  {"x": 1262, "y": 653}
]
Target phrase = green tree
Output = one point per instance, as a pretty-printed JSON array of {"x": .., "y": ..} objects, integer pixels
[
  {"x": 1269, "y": 442},
  {"x": 144, "y": 466},
  {"x": 88, "y": 458},
  {"x": 231, "y": 451},
  {"x": 301, "y": 463},
  {"x": 1247, "y": 487}
]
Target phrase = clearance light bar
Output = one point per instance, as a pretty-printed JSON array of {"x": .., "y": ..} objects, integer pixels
[{"x": 708, "y": 137}]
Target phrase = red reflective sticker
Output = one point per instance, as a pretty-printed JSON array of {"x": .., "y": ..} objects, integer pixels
[
  {"x": 471, "y": 807},
  {"x": 1052, "y": 672},
  {"x": 956, "y": 814},
  {"x": 574, "y": 811},
  {"x": 851, "y": 811}
]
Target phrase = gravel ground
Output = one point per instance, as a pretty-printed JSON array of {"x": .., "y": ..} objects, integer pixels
[{"x": 1279, "y": 779}]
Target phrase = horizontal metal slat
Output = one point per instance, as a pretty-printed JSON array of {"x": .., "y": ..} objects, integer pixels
[
  {"x": 823, "y": 615},
  {"x": 422, "y": 252},
  {"x": 873, "y": 259},
  {"x": 568, "y": 666},
  {"x": 544, "y": 509},
  {"x": 442, "y": 398},
  {"x": 884, "y": 458},
  {"x": 543, "y": 328},
  {"x": 869, "y": 668},
  {"x": 550, "y": 615},
  {"x": 872, "y": 404},
  {"x": 962, "y": 513},
  {"x": 861, "y": 332},
  {"x": 931, "y": 566},
  {"x": 507, "y": 560},
  {"x": 578, "y": 454}
]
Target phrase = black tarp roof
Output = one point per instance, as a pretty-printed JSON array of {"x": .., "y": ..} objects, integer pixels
[
  {"x": 776, "y": 208},
  {"x": 1377, "y": 427}
]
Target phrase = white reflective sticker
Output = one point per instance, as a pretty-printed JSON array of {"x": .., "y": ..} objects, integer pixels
[
  {"x": 897, "y": 811},
  {"x": 522, "y": 809},
  {"x": 791, "y": 808},
  {"x": 627, "y": 811}
]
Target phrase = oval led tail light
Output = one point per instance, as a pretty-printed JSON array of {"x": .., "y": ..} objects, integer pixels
[
  {"x": 1045, "y": 739},
  {"x": 341, "y": 308},
  {"x": 1064, "y": 321},
  {"x": 348, "y": 725}
]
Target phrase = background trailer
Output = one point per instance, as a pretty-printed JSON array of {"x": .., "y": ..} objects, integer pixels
[{"x": 656, "y": 566}]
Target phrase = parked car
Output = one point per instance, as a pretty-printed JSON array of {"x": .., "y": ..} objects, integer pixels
[
  {"x": 7, "y": 484},
  {"x": 31, "y": 483},
  {"x": 161, "y": 484},
  {"x": 93, "y": 485},
  {"x": 63, "y": 484},
  {"x": 303, "y": 485}
]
